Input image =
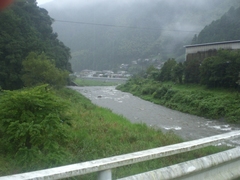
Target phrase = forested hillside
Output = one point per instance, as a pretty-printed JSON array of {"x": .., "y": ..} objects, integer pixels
[
  {"x": 224, "y": 29},
  {"x": 25, "y": 28},
  {"x": 103, "y": 34}
]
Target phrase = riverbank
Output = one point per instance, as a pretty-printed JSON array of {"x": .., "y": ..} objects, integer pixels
[
  {"x": 94, "y": 132},
  {"x": 99, "y": 81},
  {"x": 219, "y": 104}
]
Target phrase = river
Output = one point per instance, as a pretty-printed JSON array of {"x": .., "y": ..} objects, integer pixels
[{"x": 189, "y": 127}]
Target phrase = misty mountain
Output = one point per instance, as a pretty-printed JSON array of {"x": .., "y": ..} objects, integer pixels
[
  {"x": 226, "y": 28},
  {"x": 103, "y": 34}
]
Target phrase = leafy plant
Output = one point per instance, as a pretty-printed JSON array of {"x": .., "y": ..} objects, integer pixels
[
  {"x": 38, "y": 69},
  {"x": 160, "y": 92},
  {"x": 32, "y": 125}
]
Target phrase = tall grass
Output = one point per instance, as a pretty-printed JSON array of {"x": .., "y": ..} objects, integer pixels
[{"x": 90, "y": 82}]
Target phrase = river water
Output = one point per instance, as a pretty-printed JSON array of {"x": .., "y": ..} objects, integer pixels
[{"x": 189, "y": 127}]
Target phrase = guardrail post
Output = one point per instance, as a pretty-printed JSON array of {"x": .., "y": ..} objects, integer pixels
[{"x": 105, "y": 175}]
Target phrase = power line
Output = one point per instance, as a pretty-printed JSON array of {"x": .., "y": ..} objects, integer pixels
[{"x": 118, "y": 26}]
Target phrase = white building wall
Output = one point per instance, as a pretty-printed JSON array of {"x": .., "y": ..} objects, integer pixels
[
  {"x": 236, "y": 46},
  {"x": 207, "y": 47}
]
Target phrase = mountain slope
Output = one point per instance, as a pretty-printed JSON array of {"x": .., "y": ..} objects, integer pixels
[
  {"x": 156, "y": 29},
  {"x": 224, "y": 29}
]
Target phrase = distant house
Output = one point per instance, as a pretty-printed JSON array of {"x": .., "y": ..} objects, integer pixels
[
  {"x": 134, "y": 62},
  {"x": 124, "y": 66},
  {"x": 86, "y": 72},
  {"x": 201, "y": 51}
]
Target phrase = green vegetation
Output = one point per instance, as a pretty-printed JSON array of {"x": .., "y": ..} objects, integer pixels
[
  {"x": 89, "y": 82},
  {"x": 38, "y": 69},
  {"x": 224, "y": 29},
  {"x": 218, "y": 71},
  {"x": 32, "y": 126},
  {"x": 208, "y": 88},
  {"x": 48, "y": 125},
  {"x": 43, "y": 128},
  {"x": 189, "y": 98},
  {"x": 221, "y": 70},
  {"x": 26, "y": 28}
]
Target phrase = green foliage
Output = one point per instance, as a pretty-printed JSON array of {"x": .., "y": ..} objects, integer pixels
[
  {"x": 178, "y": 71},
  {"x": 238, "y": 81},
  {"x": 160, "y": 92},
  {"x": 227, "y": 28},
  {"x": 94, "y": 133},
  {"x": 38, "y": 69},
  {"x": 33, "y": 126},
  {"x": 147, "y": 90},
  {"x": 26, "y": 28},
  {"x": 221, "y": 70},
  {"x": 192, "y": 72},
  {"x": 193, "y": 99},
  {"x": 152, "y": 72},
  {"x": 167, "y": 73}
]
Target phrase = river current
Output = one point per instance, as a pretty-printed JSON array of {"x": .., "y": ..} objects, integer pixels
[{"x": 189, "y": 127}]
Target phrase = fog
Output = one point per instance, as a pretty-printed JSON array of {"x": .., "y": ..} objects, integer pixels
[
  {"x": 99, "y": 31},
  {"x": 63, "y": 3}
]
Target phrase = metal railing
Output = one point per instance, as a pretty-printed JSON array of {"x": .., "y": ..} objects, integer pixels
[{"x": 104, "y": 166}]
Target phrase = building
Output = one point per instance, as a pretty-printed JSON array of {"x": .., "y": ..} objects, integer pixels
[{"x": 202, "y": 51}]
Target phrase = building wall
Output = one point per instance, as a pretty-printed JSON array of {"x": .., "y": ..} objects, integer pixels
[
  {"x": 202, "y": 51},
  {"x": 201, "y": 55}
]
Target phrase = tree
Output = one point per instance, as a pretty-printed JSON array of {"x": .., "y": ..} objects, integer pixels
[
  {"x": 27, "y": 28},
  {"x": 221, "y": 70},
  {"x": 191, "y": 73},
  {"x": 178, "y": 72},
  {"x": 38, "y": 69},
  {"x": 166, "y": 73},
  {"x": 224, "y": 29},
  {"x": 152, "y": 72},
  {"x": 238, "y": 81}
]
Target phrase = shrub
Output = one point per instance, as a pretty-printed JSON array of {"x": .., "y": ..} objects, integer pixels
[
  {"x": 169, "y": 94},
  {"x": 148, "y": 90},
  {"x": 160, "y": 92},
  {"x": 32, "y": 125}
]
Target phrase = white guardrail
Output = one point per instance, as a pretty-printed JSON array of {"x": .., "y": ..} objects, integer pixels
[{"x": 223, "y": 165}]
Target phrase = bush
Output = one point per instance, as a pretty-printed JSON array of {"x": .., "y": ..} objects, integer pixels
[
  {"x": 160, "y": 92},
  {"x": 32, "y": 125},
  {"x": 170, "y": 93},
  {"x": 148, "y": 90}
]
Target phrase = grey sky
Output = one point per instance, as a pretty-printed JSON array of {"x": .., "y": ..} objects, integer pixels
[
  {"x": 86, "y": 2},
  {"x": 40, "y": 2}
]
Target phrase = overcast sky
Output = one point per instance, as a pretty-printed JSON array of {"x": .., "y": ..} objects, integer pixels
[
  {"x": 83, "y": 2},
  {"x": 43, "y": 1}
]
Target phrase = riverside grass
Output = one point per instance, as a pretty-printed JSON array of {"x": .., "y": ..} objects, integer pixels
[
  {"x": 89, "y": 82},
  {"x": 222, "y": 104},
  {"x": 96, "y": 133}
]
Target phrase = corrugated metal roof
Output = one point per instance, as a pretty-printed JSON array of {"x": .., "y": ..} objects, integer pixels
[{"x": 213, "y": 43}]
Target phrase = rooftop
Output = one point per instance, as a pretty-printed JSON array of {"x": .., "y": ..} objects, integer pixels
[{"x": 213, "y": 43}]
